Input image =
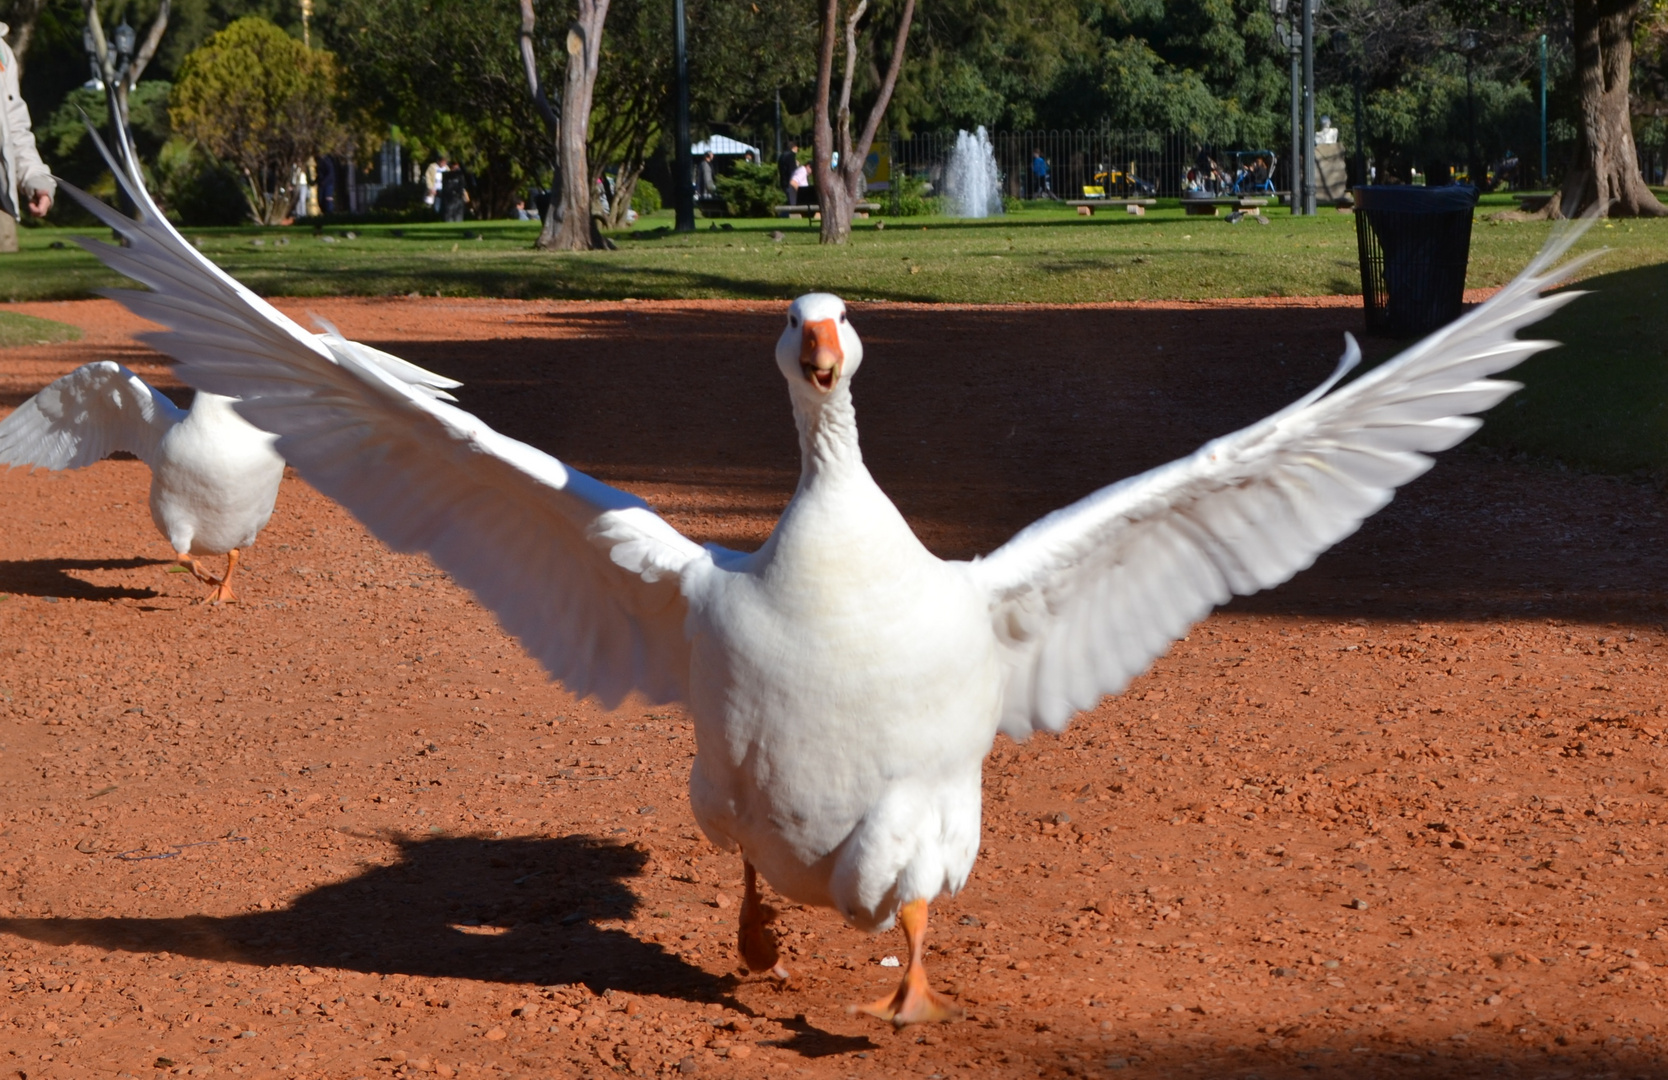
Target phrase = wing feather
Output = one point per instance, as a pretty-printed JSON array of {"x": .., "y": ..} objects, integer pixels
[
  {"x": 1087, "y": 597},
  {"x": 585, "y": 575},
  {"x": 86, "y": 416}
]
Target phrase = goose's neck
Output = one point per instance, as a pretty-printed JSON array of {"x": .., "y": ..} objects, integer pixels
[{"x": 827, "y": 434}]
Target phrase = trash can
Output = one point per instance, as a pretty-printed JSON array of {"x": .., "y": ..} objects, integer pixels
[{"x": 1414, "y": 244}]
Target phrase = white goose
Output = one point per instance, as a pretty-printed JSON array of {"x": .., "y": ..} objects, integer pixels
[
  {"x": 845, "y": 683},
  {"x": 214, "y": 477}
]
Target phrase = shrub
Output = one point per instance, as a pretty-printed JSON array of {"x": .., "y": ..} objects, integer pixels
[
  {"x": 749, "y": 190},
  {"x": 645, "y": 198},
  {"x": 909, "y": 198}
]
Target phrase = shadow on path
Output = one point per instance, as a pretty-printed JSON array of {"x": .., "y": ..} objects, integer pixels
[
  {"x": 516, "y": 911},
  {"x": 53, "y": 577}
]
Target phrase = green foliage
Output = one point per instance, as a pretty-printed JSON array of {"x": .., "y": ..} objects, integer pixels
[
  {"x": 447, "y": 75},
  {"x": 908, "y": 197},
  {"x": 645, "y": 198},
  {"x": 750, "y": 190},
  {"x": 263, "y": 103}
]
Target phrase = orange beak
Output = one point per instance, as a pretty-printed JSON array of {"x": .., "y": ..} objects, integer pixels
[{"x": 820, "y": 355}]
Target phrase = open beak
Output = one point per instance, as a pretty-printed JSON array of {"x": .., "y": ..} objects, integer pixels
[{"x": 820, "y": 355}]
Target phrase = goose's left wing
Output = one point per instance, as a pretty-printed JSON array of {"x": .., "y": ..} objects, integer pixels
[{"x": 1086, "y": 598}]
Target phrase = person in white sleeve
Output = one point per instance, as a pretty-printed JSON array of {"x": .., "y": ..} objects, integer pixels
[{"x": 24, "y": 178}]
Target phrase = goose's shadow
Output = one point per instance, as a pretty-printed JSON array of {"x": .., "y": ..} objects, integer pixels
[
  {"x": 518, "y": 911},
  {"x": 54, "y": 577}
]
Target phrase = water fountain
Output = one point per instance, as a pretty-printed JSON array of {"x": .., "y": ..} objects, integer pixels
[{"x": 971, "y": 182}]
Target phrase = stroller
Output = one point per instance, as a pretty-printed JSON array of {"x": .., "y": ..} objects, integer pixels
[{"x": 1254, "y": 172}]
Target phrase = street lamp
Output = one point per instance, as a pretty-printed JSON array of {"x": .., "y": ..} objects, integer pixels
[
  {"x": 1468, "y": 46},
  {"x": 683, "y": 182},
  {"x": 1340, "y": 45},
  {"x": 1291, "y": 40},
  {"x": 1308, "y": 106}
]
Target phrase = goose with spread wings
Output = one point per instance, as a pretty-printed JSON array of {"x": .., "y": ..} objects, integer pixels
[
  {"x": 845, "y": 682},
  {"x": 214, "y": 476}
]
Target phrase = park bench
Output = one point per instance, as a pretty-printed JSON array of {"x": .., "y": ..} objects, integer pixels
[
  {"x": 863, "y": 208},
  {"x": 1208, "y": 207},
  {"x": 1087, "y": 207}
]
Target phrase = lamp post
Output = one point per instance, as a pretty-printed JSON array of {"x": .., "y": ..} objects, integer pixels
[
  {"x": 1288, "y": 39},
  {"x": 1308, "y": 106},
  {"x": 681, "y": 178},
  {"x": 1468, "y": 45},
  {"x": 1543, "y": 110}
]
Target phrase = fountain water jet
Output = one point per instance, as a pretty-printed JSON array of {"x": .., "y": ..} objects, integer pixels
[{"x": 971, "y": 182}]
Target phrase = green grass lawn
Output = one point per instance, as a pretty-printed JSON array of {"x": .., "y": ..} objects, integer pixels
[
  {"x": 1599, "y": 403},
  {"x": 1037, "y": 255},
  {"x": 19, "y": 329}
]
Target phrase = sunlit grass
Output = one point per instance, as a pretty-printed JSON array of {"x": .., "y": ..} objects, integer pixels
[{"x": 1038, "y": 255}]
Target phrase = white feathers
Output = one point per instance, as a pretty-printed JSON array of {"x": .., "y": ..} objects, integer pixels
[
  {"x": 86, "y": 416},
  {"x": 1086, "y": 598}
]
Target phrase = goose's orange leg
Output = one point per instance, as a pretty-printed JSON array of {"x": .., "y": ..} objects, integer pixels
[
  {"x": 757, "y": 943},
  {"x": 914, "y": 1002},
  {"x": 222, "y": 591},
  {"x": 187, "y": 563}
]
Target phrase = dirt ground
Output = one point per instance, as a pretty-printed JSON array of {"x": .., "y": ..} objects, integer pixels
[{"x": 1402, "y": 817}]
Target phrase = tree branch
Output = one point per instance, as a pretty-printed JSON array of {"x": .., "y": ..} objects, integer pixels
[
  {"x": 148, "y": 49},
  {"x": 842, "y": 122},
  {"x": 878, "y": 111},
  {"x": 529, "y": 62}
]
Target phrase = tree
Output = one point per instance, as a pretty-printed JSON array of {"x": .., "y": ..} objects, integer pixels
[
  {"x": 262, "y": 102},
  {"x": 120, "y": 77},
  {"x": 21, "y": 16},
  {"x": 1605, "y": 167},
  {"x": 568, "y": 225},
  {"x": 443, "y": 76},
  {"x": 838, "y": 188}
]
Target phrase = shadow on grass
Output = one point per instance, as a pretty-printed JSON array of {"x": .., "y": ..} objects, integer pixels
[
  {"x": 512, "y": 911},
  {"x": 1600, "y": 401},
  {"x": 54, "y": 578}
]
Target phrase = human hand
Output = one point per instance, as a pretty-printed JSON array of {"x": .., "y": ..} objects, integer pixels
[{"x": 39, "y": 203}]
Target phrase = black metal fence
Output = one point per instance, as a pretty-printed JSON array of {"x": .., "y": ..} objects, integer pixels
[{"x": 1123, "y": 163}]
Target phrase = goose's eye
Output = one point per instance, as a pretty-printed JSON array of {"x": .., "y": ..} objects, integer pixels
[
  {"x": 842, "y": 316},
  {"x": 793, "y": 322}
]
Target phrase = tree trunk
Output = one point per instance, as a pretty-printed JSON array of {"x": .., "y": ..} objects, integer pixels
[
  {"x": 1606, "y": 164},
  {"x": 23, "y": 16},
  {"x": 625, "y": 186},
  {"x": 838, "y": 189},
  {"x": 570, "y": 227}
]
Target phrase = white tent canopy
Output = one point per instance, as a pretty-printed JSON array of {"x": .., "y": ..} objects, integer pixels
[{"x": 722, "y": 145}]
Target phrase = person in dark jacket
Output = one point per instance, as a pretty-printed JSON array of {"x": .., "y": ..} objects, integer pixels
[{"x": 785, "y": 166}]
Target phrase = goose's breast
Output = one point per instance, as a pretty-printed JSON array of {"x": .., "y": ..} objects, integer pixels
[{"x": 813, "y": 692}]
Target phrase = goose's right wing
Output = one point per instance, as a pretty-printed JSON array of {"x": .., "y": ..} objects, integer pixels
[
  {"x": 86, "y": 416},
  {"x": 587, "y": 576}
]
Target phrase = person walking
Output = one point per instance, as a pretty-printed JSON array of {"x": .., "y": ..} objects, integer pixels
[
  {"x": 1040, "y": 186},
  {"x": 433, "y": 177},
  {"x": 786, "y": 163},
  {"x": 25, "y": 181},
  {"x": 706, "y": 184}
]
